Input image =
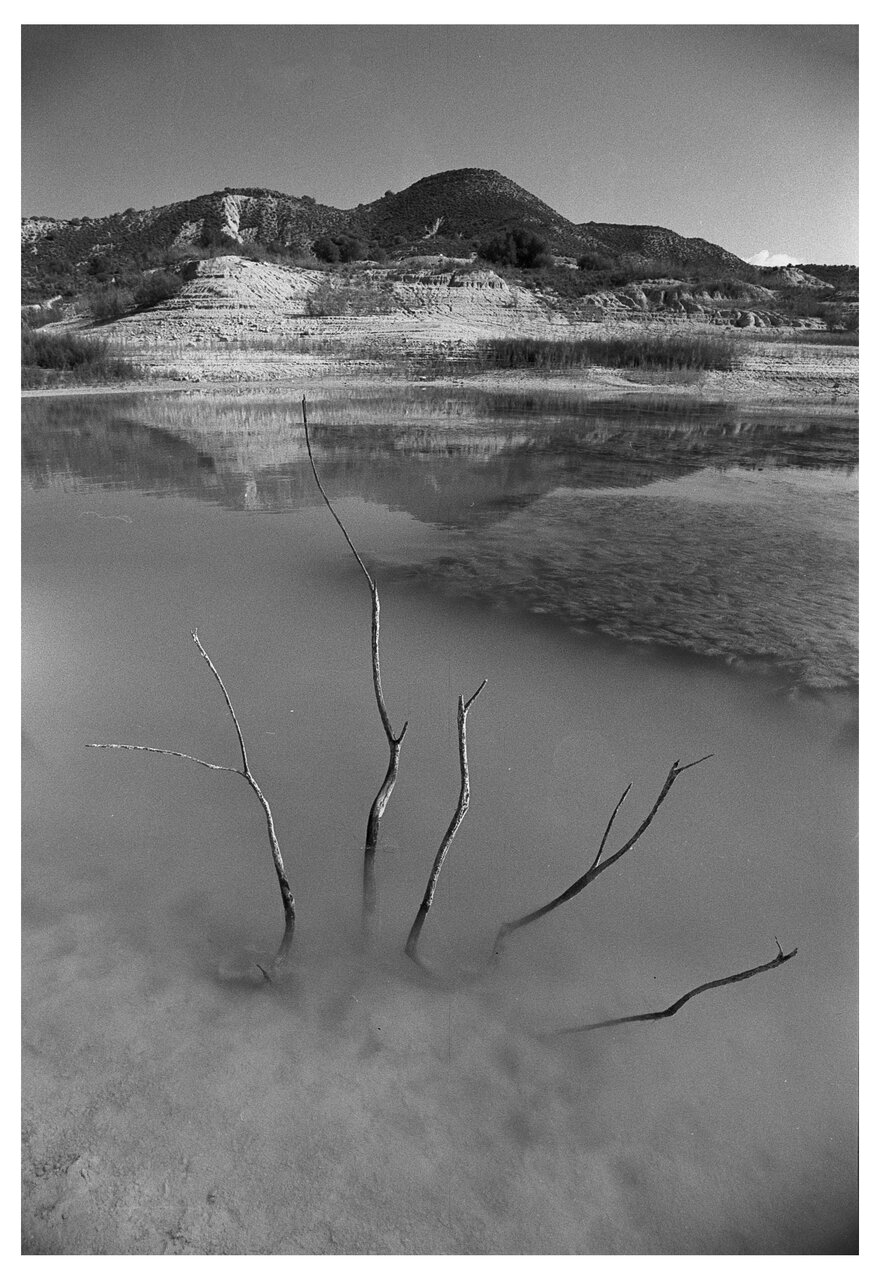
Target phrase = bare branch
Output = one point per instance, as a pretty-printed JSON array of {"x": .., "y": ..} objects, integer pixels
[
  {"x": 693, "y": 764},
  {"x": 160, "y": 751},
  {"x": 596, "y": 867},
  {"x": 216, "y": 675},
  {"x": 617, "y": 808},
  {"x": 780, "y": 958},
  {"x": 472, "y": 699},
  {"x": 464, "y": 797},
  {"x": 281, "y": 955},
  {"x": 287, "y": 900},
  {"x": 354, "y": 550},
  {"x": 383, "y": 795}
]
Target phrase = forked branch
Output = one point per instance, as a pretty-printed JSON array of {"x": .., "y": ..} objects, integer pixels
[
  {"x": 283, "y": 951},
  {"x": 780, "y": 958},
  {"x": 464, "y": 798},
  {"x": 383, "y": 795},
  {"x": 597, "y": 866}
]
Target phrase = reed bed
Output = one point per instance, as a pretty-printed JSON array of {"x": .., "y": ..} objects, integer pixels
[
  {"x": 50, "y": 359},
  {"x": 662, "y": 352}
]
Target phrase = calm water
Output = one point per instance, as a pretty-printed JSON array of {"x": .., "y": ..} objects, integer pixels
[{"x": 637, "y": 585}]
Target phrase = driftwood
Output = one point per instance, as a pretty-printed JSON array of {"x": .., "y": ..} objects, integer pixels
[
  {"x": 283, "y": 952},
  {"x": 464, "y": 799},
  {"x": 597, "y": 867},
  {"x": 383, "y": 795},
  {"x": 781, "y": 958}
]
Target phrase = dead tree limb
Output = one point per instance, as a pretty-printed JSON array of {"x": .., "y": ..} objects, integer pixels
[
  {"x": 383, "y": 795},
  {"x": 597, "y": 867},
  {"x": 283, "y": 951},
  {"x": 464, "y": 798},
  {"x": 777, "y": 960}
]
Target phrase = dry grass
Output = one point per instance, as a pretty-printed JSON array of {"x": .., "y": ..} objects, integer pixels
[
  {"x": 669, "y": 353},
  {"x": 52, "y": 359}
]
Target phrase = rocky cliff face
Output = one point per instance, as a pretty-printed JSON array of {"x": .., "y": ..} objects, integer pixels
[{"x": 231, "y": 298}]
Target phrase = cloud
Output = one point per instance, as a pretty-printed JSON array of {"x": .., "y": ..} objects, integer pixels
[{"x": 767, "y": 259}]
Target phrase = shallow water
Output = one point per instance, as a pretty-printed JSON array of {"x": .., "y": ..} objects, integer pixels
[{"x": 637, "y": 587}]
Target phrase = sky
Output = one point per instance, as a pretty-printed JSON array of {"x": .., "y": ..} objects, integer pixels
[{"x": 744, "y": 135}]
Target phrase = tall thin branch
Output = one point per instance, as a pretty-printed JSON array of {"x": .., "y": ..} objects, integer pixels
[
  {"x": 323, "y": 491},
  {"x": 216, "y": 675},
  {"x": 287, "y": 900},
  {"x": 596, "y": 867},
  {"x": 780, "y": 958},
  {"x": 464, "y": 797},
  {"x": 383, "y": 795}
]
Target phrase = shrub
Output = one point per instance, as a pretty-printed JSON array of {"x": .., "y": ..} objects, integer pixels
[
  {"x": 325, "y": 249},
  {"x": 342, "y": 248},
  {"x": 351, "y": 249},
  {"x": 349, "y": 300},
  {"x": 111, "y": 302},
  {"x": 36, "y": 317},
  {"x": 841, "y": 318},
  {"x": 595, "y": 262},
  {"x": 157, "y": 287},
  {"x": 218, "y": 241},
  {"x": 49, "y": 358},
  {"x": 136, "y": 293},
  {"x": 517, "y": 249}
]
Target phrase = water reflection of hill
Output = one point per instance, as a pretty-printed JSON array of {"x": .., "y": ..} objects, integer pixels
[{"x": 460, "y": 460}]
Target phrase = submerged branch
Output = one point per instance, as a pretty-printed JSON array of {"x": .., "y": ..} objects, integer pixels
[
  {"x": 777, "y": 960},
  {"x": 283, "y": 951},
  {"x": 383, "y": 795},
  {"x": 596, "y": 867},
  {"x": 464, "y": 797}
]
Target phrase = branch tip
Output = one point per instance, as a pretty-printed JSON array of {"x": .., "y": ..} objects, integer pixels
[
  {"x": 677, "y": 769},
  {"x": 472, "y": 699}
]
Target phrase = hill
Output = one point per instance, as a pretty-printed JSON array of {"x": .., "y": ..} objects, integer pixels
[
  {"x": 467, "y": 206},
  {"x": 657, "y": 244},
  {"x": 451, "y": 212}
]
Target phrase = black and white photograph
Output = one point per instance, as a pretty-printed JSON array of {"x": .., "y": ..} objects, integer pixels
[{"x": 439, "y": 618}]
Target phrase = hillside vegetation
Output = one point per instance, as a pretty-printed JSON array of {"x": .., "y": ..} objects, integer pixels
[{"x": 453, "y": 213}]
